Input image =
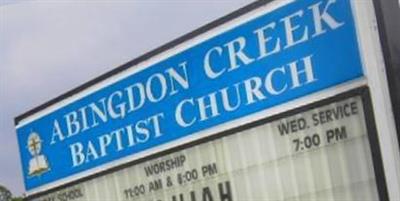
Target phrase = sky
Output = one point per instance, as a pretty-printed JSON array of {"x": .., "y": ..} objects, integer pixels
[{"x": 48, "y": 47}]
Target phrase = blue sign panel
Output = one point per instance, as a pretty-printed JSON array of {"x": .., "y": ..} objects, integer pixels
[{"x": 298, "y": 49}]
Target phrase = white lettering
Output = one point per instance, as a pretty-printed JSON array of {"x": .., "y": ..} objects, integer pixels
[
  {"x": 121, "y": 107},
  {"x": 183, "y": 81},
  {"x": 263, "y": 40},
  {"x": 179, "y": 113},
  {"x": 269, "y": 84},
  {"x": 73, "y": 126},
  {"x": 207, "y": 66},
  {"x": 76, "y": 153},
  {"x": 308, "y": 70},
  {"x": 323, "y": 17},
  {"x": 212, "y": 105},
  {"x": 289, "y": 29},
  {"x": 150, "y": 88},
  {"x": 253, "y": 92},
  {"x": 56, "y": 133},
  {"x": 142, "y": 97},
  {"x": 238, "y": 53}
]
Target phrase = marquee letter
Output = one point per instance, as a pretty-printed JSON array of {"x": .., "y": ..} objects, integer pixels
[
  {"x": 289, "y": 29},
  {"x": 263, "y": 40},
  {"x": 207, "y": 66},
  {"x": 308, "y": 70},
  {"x": 97, "y": 112},
  {"x": 324, "y": 16},
  {"x": 156, "y": 124},
  {"x": 142, "y": 97},
  {"x": 237, "y": 53},
  {"x": 73, "y": 126},
  {"x": 76, "y": 153},
  {"x": 91, "y": 151},
  {"x": 56, "y": 132},
  {"x": 181, "y": 80},
  {"x": 226, "y": 98},
  {"x": 120, "y": 107},
  {"x": 268, "y": 81},
  {"x": 104, "y": 142},
  {"x": 212, "y": 105},
  {"x": 252, "y": 87},
  {"x": 178, "y": 113},
  {"x": 162, "y": 89},
  {"x": 142, "y": 130}
]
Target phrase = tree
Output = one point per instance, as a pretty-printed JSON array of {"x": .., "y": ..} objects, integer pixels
[{"x": 5, "y": 194}]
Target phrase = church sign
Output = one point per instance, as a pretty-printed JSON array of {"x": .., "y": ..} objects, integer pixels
[
  {"x": 213, "y": 170},
  {"x": 232, "y": 77}
]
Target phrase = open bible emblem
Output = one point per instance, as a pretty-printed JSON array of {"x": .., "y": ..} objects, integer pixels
[{"x": 38, "y": 164}]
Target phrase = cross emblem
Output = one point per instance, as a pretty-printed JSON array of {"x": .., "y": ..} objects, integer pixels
[
  {"x": 34, "y": 144},
  {"x": 38, "y": 164}
]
